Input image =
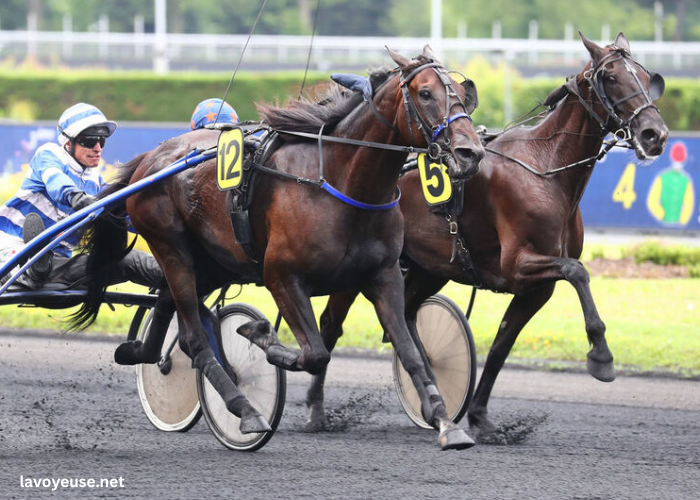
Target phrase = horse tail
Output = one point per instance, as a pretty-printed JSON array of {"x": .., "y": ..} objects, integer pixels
[{"x": 105, "y": 244}]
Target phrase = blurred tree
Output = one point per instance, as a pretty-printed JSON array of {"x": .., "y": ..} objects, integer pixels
[
  {"x": 634, "y": 17},
  {"x": 86, "y": 13},
  {"x": 681, "y": 18},
  {"x": 13, "y": 14},
  {"x": 354, "y": 17}
]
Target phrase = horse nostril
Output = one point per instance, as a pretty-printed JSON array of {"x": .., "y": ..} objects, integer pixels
[
  {"x": 649, "y": 136},
  {"x": 465, "y": 155}
]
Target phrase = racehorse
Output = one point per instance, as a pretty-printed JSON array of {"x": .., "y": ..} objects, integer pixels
[
  {"x": 521, "y": 220},
  {"x": 312, "y": 243}
]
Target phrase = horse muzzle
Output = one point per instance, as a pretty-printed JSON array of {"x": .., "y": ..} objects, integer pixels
[
  {"x": 463, "y": 163},
  {"x": 653, "y": 141},
  {"x": 651, "y": 134}
]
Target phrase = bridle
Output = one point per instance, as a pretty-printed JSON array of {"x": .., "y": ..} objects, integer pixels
[
  {"x": 620, "y": 128},
  {"x": 413, "y": 115}
]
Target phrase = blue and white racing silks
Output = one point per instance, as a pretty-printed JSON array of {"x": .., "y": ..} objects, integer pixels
[{"x": 52, "y": 178}]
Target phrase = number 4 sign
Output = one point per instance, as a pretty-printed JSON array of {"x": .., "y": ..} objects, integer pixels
[{"x": 624, "y": 191}]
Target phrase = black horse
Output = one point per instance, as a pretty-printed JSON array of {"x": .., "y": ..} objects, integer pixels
[
  {"x": 312, "y": 243},
  {"x": 521, "y": 215}
]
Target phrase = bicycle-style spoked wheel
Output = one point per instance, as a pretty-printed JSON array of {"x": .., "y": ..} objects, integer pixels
[
  {"x": 168, "y": 392},
  {"x": 449, "y": 346},
  {"x": 263, "y": 384}
]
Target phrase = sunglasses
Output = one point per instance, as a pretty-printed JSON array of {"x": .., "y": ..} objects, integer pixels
[{"x": 89, "y": 141}]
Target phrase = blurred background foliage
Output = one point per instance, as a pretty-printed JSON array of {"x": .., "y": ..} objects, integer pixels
[
  {"x": 681, "y": 18},
  {"x": 28, "y": 95}
]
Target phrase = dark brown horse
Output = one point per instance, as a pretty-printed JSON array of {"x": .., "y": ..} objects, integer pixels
[
  {"x": 524, "y": 228},
  {"x": 313, "y": 243}
]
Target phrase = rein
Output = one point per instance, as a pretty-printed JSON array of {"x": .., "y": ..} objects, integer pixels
[
  {"x": 590, "y": 160},
  {"x": 623, "y": 132}
]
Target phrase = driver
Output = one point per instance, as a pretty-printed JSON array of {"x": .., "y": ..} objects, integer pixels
[{"x": 62, "y": 179}]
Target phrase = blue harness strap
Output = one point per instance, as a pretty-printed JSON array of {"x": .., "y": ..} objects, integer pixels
[
  {"x": 358, "y": 204},
  {"x": 452, "y": 118}
]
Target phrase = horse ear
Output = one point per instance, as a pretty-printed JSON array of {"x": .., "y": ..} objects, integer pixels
[
  {"x": 657, "y": 85},
  {"x": 471, "y": 98},
  {"x": 429, "y": 54},
  {"x": 595, "y": 50},
  {"x": 621, "y": 42},
  {"x": 402, "y": 61}
]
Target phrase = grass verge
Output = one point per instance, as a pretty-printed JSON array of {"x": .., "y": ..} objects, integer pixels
[{"x": 651, "y": 324}]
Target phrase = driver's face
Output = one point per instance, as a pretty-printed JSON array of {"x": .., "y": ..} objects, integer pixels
[{"x": 90, "y": 157}]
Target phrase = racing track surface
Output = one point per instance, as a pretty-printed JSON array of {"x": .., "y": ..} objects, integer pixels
[{"x": 67, "y": 411}]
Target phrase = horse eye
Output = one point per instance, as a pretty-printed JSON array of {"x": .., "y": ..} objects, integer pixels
[
  {"x": 425, "y": 94},
  {"x": 610, "y": 78}
]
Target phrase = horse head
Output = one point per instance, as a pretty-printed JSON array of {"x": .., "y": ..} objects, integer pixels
[
  {"x": 437, "y": 112},
  {"x": 627, "y": 91}
]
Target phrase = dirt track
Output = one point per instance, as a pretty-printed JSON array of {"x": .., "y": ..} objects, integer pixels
[{"x": 66, "y": 411}]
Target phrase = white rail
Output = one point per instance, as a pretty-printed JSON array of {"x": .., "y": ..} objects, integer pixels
[{"x": 271, "y": 52}]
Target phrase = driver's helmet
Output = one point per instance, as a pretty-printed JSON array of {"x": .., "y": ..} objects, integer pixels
[
  {"x": 79, "y": 118},
  {"x": 205, "y": 113}
]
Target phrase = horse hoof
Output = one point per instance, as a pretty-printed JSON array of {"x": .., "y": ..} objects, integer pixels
[
  {"x": 259, "y": 332},
  {"x": 254, "y": 423},
  {"x": 481, "y": 425},
  {"x": 125, "y": 354},
  {"x": 455, "y": 438},
  {"x": 605, "y": 372},
  {"x": 316, "y": 424},
  {"x": 317, "y": 420}
]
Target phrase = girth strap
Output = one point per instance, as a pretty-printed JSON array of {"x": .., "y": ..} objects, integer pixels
[{"x": 460, "y": 250}]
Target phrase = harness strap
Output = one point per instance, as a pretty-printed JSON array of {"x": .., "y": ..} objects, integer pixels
[
  {"x": 323, "y": 184},
  {"x": 358, "y": 204},
  {"x": 590, "y": 160},
  {"x": 285, "y": 175},
  {"x": 355, "y": 142},
  {"x": 574, "y": 88},
  {"x": 380, "y": 117},
  {"x": 460, "y": 250}
]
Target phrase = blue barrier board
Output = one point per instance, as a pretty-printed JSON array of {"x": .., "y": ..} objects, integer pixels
[{"x": 623, "y": 193}]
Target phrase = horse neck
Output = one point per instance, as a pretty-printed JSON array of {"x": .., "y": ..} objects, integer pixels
[
  {"x": 367, "y": 174},
  {"x": 574, "y": 136}
]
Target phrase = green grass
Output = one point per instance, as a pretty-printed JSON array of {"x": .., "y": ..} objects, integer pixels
[{"x": 651, "y": 324}]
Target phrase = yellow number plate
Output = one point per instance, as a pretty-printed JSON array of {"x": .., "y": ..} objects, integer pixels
[
  {"x": 229, "y": 162},
  {"x": 434, "y": 180}
]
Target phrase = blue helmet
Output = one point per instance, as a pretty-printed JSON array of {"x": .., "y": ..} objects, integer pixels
[
  {"x": 205, "y": 113},
  {"x": 81, "y": 117}
]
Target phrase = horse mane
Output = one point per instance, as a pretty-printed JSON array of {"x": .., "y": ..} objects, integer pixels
[{"x": 327, "y": 109}]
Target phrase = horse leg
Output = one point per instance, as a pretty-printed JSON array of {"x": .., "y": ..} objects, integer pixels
[
  {"x": 599, "y": 361},
  {"x": 533, "y": 269},
  {"x": 420, "y": 285},
  {"x": 331, "y": 330},
  {"x": 521, "y": 309},
  {"x": 204, "y": 359},
  {"x": 295, "y": 306},
  {"x": 178, "y": 267},
  {"x": 136, "y": 352},
  {"x": 386, "y": 294}
]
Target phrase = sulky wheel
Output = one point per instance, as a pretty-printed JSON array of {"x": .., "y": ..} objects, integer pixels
[
  {"x": 449, "y": 346},
  {"x": 168, "y": 389},
  {"x": 263, "y": 384}
]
